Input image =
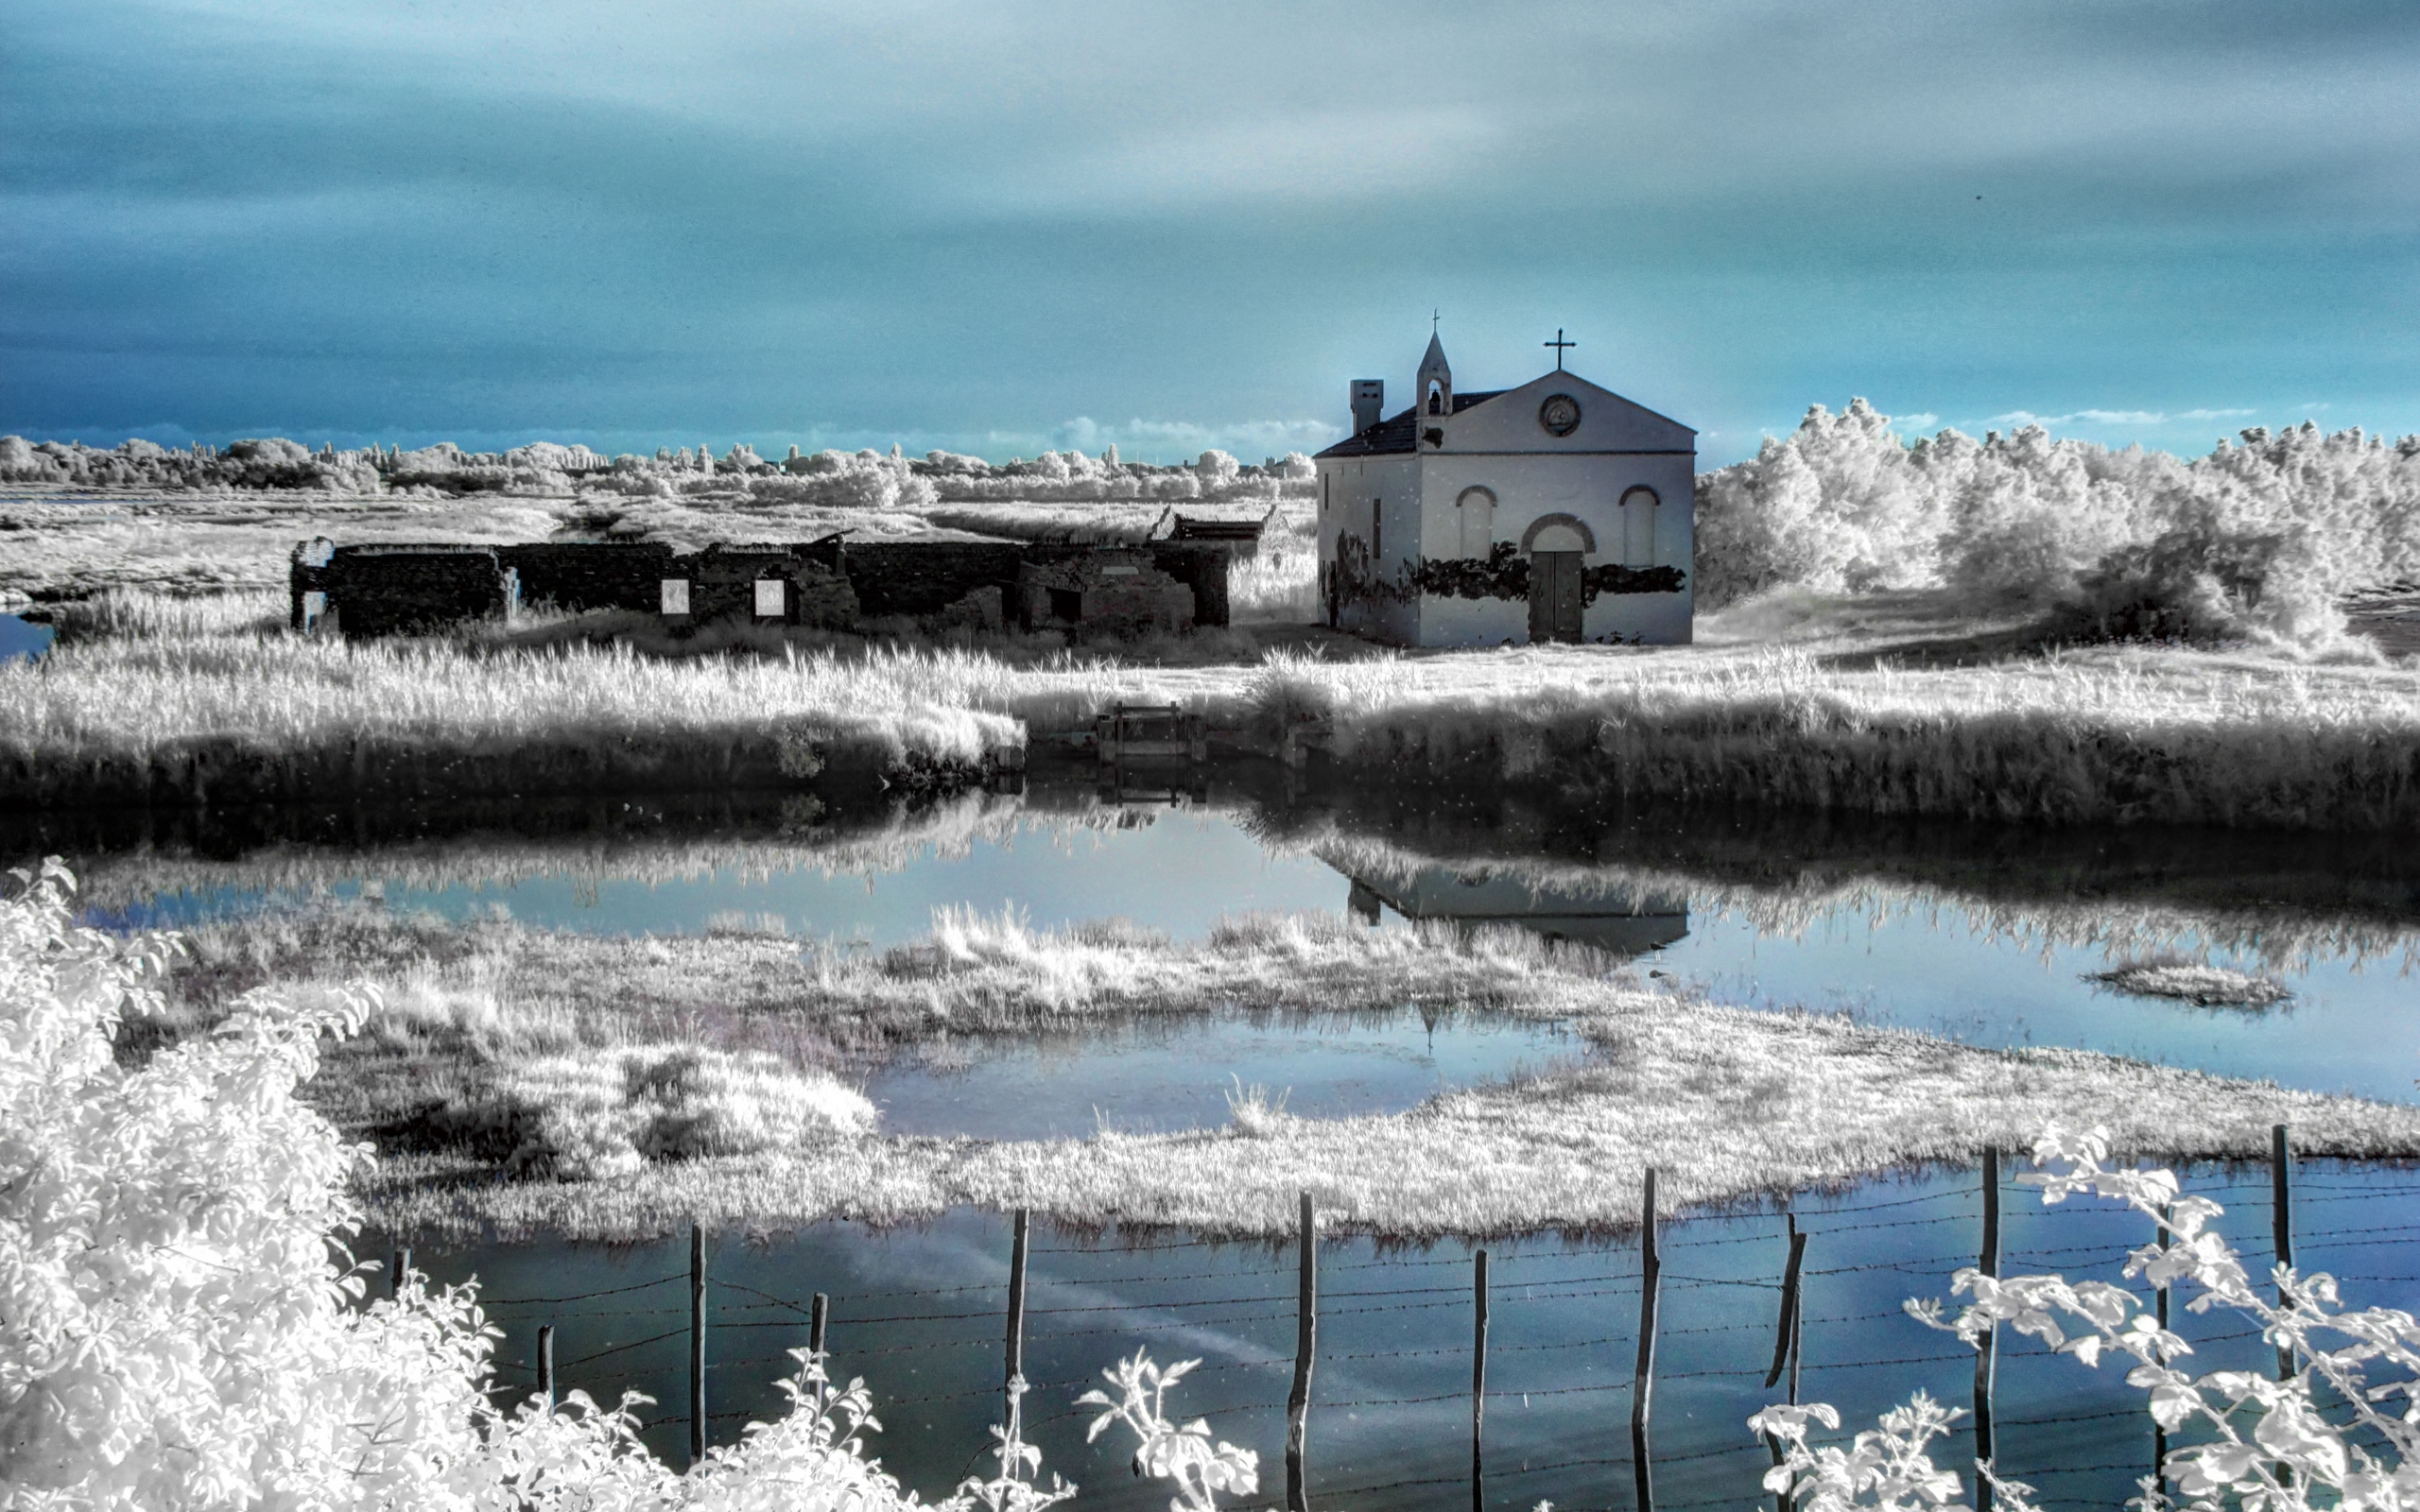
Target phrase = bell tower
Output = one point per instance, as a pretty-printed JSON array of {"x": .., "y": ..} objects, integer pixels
[{"x": 1434, "y": 387}]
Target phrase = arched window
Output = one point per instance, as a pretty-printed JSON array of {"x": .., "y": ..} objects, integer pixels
[
  {"x": 1477, "y": 509},
  {"x": 1639, "y": 509}
]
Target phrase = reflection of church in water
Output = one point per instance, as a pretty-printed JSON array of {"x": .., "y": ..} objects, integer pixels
[{"x": 1628, "y": 921}]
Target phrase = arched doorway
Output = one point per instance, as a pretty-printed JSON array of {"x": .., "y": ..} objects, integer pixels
[{"x": 1558, "y": 547}]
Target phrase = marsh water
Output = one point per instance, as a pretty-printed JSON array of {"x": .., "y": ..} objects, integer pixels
[
  {"x": 21, "y": 637},
  {"x": 1989, "y": 936},
  {"x": 1966, "y": 936},
  {"x": 918, "y": 1314}
]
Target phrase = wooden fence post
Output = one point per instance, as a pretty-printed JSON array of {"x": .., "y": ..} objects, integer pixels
[
  {"x": 1786, "y": 1327},
  {"x": 1478, "y": 1372},
  {"x": 2281, "y": 1221},
  {"x": 1786, "y": 1335},
  {"x": 546, "y": 1365},
  {"x": 818, "y": 1314},
  {"x": 1016, "y": 1301},
  {"x": 696, "y": 1341},
  {"x": 2159, "y": 1304},
  {"x": 1298, "y": 1402},
  {"x": 397, "y": 1268},
  {"x": 1651, "y": 1271},
  {"x": 1986, "y": 1355}
]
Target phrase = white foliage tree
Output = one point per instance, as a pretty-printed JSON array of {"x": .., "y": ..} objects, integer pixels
[
  {"x": 179, "y": 1328},
  {"x": 2257, "y": 541}
]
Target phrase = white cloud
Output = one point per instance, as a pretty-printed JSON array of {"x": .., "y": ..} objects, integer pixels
[
  {"x": 2117, "y": 416},
  {"x": 1308, "y": 156},
  {"x": 1922, "y": 421},
  {"x": 1170, "y": 439}
]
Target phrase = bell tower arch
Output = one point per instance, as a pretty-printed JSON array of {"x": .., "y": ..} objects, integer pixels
[{"x": 1434, "y": 387}]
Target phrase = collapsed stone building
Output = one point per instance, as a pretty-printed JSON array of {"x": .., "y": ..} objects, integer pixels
[{"x": 397, "y": 588}]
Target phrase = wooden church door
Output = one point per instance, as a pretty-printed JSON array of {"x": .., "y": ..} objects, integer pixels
[{"x": 1555, "y": 595}]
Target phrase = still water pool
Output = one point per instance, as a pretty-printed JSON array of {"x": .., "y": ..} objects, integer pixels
[
  {"x": 22, "y": 639},
  {"x": 1960, "y": 961},
  {"x": 1144, "y": 1077}
]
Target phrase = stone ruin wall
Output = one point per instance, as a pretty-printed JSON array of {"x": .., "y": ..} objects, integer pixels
[{"x": 384, "y": 589}]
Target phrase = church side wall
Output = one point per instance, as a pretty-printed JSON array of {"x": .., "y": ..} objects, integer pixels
[{"x": 1369, "y": 526}]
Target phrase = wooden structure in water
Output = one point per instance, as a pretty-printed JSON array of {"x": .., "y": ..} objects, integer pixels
[{"x": 1623, "y": 920}]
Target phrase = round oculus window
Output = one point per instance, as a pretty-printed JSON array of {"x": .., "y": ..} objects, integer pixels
[{"x": 1559, "y": 415}]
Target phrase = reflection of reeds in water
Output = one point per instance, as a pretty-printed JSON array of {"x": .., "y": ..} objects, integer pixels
[
  {"x": 948, "y": 830},
  {"x": 2281, "y": 937},
  {"x": 1854, "y": 890}
]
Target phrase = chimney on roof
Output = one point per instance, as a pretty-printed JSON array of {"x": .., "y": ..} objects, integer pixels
[{"x": 1369, "y": 403}]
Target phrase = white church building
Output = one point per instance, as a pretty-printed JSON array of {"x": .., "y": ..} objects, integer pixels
[{"x": 1554, "y": 511}]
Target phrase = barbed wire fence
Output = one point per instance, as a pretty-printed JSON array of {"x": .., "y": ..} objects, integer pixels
[{"x": 1771, "y": 1349}]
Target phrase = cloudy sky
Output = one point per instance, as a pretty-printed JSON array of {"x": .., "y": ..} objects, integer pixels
[{"x": 998, "y": 227}]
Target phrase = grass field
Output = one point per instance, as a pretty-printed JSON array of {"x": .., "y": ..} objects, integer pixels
[
  {"x": 1886, "y": 703},
  {"x": 482, "y": 1025},
  {"x": 1857, "y": 722}
]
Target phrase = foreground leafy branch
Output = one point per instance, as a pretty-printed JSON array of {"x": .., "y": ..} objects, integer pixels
[{"x": 2271, "y": 1445}]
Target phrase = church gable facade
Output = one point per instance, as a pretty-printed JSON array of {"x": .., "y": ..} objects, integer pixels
[{"x": 1555, "y": 512}]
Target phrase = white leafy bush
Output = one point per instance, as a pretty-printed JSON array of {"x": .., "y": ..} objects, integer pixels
[
  {"x": 2254, "y": 542},
  {"x": 602, "y": 1114},
  {"x": 2272, "y": 1446},
  {"x": 179, "y": 1327}
]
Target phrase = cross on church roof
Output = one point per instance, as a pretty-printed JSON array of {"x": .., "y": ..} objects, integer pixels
[{"x": 1559, "y": 344}]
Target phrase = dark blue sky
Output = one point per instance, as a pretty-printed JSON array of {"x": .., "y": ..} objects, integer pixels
[{"x": 997, "y": 228}]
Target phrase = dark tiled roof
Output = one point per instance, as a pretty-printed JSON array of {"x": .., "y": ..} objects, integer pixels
[{"x": 1399, "y": 434}]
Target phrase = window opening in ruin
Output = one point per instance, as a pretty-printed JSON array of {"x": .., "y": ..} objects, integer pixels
[
  {"x": 675, "y": 595},
  {"x": 1067, "y": 604},
  {"x": 770, "y": 601}
]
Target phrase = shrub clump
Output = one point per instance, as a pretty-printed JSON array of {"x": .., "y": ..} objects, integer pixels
[{"x": 588, "y": 1117}]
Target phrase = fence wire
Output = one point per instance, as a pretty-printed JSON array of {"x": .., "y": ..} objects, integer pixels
[{"x": 1390, "y": 1360}]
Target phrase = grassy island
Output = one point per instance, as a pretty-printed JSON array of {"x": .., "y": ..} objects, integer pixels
[{"x": 511, "y": 1094}]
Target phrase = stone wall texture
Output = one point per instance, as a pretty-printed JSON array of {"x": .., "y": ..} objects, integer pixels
[{"x": 393, "y": 589}]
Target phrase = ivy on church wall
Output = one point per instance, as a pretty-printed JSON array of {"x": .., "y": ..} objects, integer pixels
[
  {"x": 1615, "y": 579},
  {"x": 1357, "y": 580},
  {"x": 1503, "y": 574}
]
